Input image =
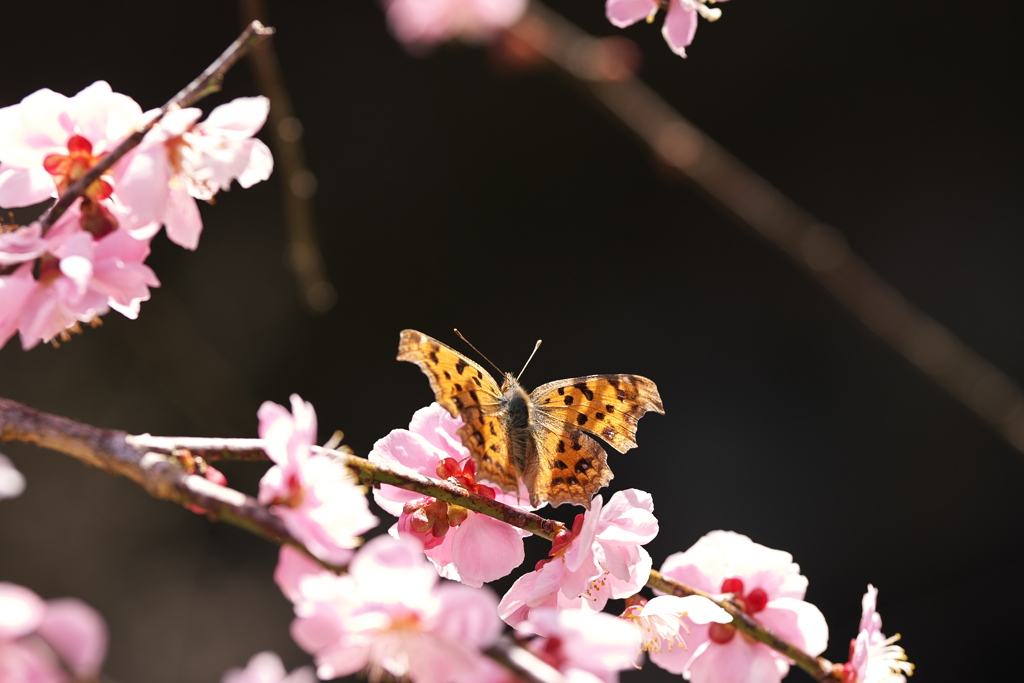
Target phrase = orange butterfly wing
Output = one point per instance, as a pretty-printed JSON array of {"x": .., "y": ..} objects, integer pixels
[
  {"x": 571, "y": 467},
  {"x": 466, "y": 391}
]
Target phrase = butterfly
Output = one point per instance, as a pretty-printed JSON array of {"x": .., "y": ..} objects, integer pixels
[{"x": 544, "y": 438}]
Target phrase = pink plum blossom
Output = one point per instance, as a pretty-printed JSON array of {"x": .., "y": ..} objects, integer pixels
[
  {"x": 660, "y": 620},
  {"x": 767, "y": 584},
  {"x": 266, "y": 667},
  {"x": 317, "y": 497},
  {"x": 47, "y": 125},
  {"x": 389, "y": 615},
  {"x": 182, "y": 159},
  {"x": 600, "y": 558},
  {"x": 79, "y": 279},
  {"x": 586, "y": 647},
  {"x": 873, "y": 657},
  {"x": 464, "y": 545},
  {"x": 48, "y": 642},
  {"x": 12, "y": 482},
  {"x": 422, "y": 24},
  {"x": 680, "y": 17}
]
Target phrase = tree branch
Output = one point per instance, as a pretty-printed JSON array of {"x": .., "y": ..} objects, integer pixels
[
  {"x": 819, "y": 250},
  {"x": 150, "y": 461},
  {"x": 818, "y": 667},
  {"x": 205, "y": 83}
]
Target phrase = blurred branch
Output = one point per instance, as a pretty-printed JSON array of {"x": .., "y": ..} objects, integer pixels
[
  {"x": 527, "y": 666},
  {"x": 298, "y": 184},
  {"x": 820, "y": 250},
  {"x": 204, "y": 84}
]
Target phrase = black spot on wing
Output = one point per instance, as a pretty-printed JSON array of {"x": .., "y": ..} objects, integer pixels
[
  {"x": 582, "y": 386},
  {"x": 581, "y": 419},
  {"x": 583, "y": 466},
  {"x": 460, "y": 366},
  {"x": 560, "y": 447},
  {"x": 568, "y": 400},
  {"x": 560, "y": 465}
]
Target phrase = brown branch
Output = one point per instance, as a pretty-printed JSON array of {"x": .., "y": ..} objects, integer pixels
[
  {"x": 205, "y": 83},
  {"x": 367, "y": 472},
  {"x": 520, "y": 661},
  {"x": 298, "y": 184},
  {"x": 150, "y": 462},
  {"x": 159, "y": 474},
  {"x": 818, "y": 667},
  {"x": 820, "y": 250}
]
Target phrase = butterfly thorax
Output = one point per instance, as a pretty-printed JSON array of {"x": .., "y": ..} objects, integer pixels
[{"x": 517, "y": 416}]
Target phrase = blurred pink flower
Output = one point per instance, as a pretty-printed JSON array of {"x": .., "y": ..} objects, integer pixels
[
  {"x": 180, "y": 161},
  {"x": 41, "y": 642},
  {"x": 680, "y": 17},
  {"x": 316, "y": 496},
  {"x": 422, "y": 24},
  {"x": 12, "y": 482},
  {"x": 266, "y": 667},
  {"x": 389, "y": 616},
  {"x": 769, "y": 587},
  {"x": 660, "y": 619},
  {"x": 585, "y": 647},
  {"x": 873, "y": 657},
  {"x": 464, "y": 545},
  {"x": 600, "y": 558}
]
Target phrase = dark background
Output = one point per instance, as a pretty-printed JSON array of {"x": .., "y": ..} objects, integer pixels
[{"x": 513, "y": 208}]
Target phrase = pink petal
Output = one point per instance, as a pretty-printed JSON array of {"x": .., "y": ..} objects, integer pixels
[
  {"x": 12, "y": 482},
  {"x": 240, "y": 118},
  {"x": 467, "y": 615},
  {"x": 799, "y": 622},
  {"x": 21, "y": 611},
  {"x": 680, "y": 26},
  {"x": 25, "y": 186},
  {"x": 623, "y": 13},
  {"x": 182, "y": 220},
  {"x": 735, "y": 662},
  {"x": 629, "y": 518},
  {"x": 77, "y": 633},
  {"x": 485, "y": 549},
  {"x": 15, "y": 292}
]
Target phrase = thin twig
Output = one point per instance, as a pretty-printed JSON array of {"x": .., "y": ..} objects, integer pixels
[
  {"x": 207, "y": 82},
  {"x": 818, "y": 667},
  {"x": 820, "y": 250},
  {"x": 298, "y": 184}
]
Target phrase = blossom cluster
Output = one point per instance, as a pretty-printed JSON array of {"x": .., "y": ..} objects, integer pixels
[{"x": 92, "y": 258}]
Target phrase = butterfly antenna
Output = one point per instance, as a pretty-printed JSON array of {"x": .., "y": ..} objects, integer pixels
[
  {"x": 479, "y": 352},
  {"x": 535, "y": 347}
]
